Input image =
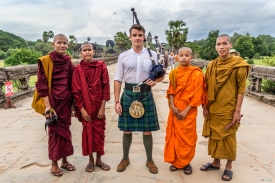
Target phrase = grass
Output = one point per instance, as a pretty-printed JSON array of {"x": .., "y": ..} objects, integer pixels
[
  {"x": 32, "y": 81},
  {"x": 1, "y": 63},
  {"x": 259, "y": 62}
]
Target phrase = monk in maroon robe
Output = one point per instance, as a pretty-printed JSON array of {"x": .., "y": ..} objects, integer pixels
[
  {"x": 91, "y": 90},
  {"x": 58, "y": 99}
]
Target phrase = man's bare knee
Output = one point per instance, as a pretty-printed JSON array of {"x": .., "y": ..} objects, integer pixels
[
  {"x": 147, "y": 133},
  {"x": 127, "y": 132}
]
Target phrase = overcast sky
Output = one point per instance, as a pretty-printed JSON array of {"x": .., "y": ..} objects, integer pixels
[{"x": 101, "y": 19}]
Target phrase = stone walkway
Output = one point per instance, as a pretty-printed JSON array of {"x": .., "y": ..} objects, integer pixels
[{"x": 24, "y": 148}]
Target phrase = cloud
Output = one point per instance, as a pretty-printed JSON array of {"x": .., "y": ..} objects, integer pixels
[{"x": 101, "y": 19}]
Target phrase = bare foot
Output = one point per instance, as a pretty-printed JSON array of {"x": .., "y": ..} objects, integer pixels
[
  {"x": 68, "y": 166},
  {"x": 103, "y": 166},
  {"x": 56, "y": 171}
]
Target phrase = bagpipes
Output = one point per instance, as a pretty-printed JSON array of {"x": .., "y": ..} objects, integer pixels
[{"x": 157, "y": 70}]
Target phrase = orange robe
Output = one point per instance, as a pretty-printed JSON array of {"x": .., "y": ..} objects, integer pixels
[{"x": 187, "y": 86}]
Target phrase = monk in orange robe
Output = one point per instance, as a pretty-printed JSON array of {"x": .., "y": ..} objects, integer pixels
[
  {"x": 185, "y": 94},
  {"x": 91, "y": 90}
]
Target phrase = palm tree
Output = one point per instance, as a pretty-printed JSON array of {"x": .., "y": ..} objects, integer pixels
[
  {"x": 45, "y": 36},
  {"x": 50, "y": 34},
  {"x": 72, "y": 44},
  {"x": 122, "y": 41},
  {"x": 176, "y": 35}
]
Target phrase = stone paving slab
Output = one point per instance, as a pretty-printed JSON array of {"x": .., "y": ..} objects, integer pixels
[{"x": 24, "y": 155}]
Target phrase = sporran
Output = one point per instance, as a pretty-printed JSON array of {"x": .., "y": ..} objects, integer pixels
[{"x": 136, "y": 109}]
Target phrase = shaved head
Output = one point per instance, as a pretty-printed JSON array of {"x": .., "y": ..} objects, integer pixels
[
  {"x": 225, "y": 35},
  {"x": 58, "y": 36},
  {"x": 186, "y": 49},
  {"x": 86, "y": 44}
]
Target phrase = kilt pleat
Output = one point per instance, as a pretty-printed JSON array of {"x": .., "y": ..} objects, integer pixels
[{"x": 148, "y": 122}]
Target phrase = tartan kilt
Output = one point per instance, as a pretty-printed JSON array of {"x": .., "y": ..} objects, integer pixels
[{"x": 148, "y": 122}]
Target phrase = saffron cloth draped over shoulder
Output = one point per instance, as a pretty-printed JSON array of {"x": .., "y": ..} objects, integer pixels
[
  {"x": 225, "y": 79},
  {"x": 90, "y": 87},
  {"x": 187, "y": 86},
  {"x": 60, "y": 97}
]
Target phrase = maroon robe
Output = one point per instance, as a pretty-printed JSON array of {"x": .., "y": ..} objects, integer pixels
[
  {"x": 90, "y": 86},
  {"x": 60, "y": 138}
]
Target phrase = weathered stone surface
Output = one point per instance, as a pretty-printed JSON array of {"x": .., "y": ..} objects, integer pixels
[
  {"x": 20, "y": 71},
  {"x": 3, "y": 76},
  {"x": 263, "y": 72},
  {"x": 263, "y": 97},
  {"x": 200, "y": 63}
]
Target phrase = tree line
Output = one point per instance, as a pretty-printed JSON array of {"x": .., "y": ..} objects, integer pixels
[
  {"x": 176, "y": 36},
  {"x": 16, "y": 50}
]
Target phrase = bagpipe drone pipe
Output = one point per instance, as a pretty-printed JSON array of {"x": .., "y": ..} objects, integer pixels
[{"x": 157, "y": 70}]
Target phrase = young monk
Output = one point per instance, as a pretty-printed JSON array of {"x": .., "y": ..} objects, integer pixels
[
  {"x": 185, "y": 94},
  {"x": 91, "y": 90},
  {"x": 226, "y": 84},
  {"x": 57, "y": 69}
]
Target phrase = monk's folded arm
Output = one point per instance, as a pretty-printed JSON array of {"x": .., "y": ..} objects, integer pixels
[
  {"x": 188, "y": 108},
  {"x": 171, "y": 100}
]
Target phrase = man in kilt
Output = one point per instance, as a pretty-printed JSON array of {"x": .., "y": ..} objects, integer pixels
[{"x": 132, "y": 68}]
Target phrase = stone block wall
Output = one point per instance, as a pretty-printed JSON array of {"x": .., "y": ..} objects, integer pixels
[{"x": 23, "y": 73}]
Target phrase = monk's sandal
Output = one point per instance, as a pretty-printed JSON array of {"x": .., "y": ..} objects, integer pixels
[
  {"x": 152, "y": 167},
  {"x": 123, "y": 164}
]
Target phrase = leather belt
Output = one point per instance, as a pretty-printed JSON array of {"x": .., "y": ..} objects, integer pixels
[{"x": 142, "y": 88}]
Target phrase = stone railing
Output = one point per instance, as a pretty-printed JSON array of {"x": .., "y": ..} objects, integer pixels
[
  {"x": 257, "y": 74},
  {"x": 22, "y": 73},
  {"x": 202, "y": 64}
]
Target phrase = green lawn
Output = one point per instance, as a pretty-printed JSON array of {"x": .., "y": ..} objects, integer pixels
[
  {"x": 259, "y": 62},
  {"x": 32, "y": 81},
  {"x": 1, "y": 63}
]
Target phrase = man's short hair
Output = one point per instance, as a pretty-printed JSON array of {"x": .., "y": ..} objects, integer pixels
[
  {"x": 225, "y": 35},
  {"x": 138, "y": 27}
]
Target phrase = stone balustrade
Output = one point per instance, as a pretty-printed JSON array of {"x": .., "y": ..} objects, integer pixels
[
  {"x": 22, "y": 73},
  {"x": 202, "y": 64},
  {"x": 256, "y": 75}
]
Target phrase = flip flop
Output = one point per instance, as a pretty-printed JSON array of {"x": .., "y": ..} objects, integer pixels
[
  {"x": 68, "y": 167},
  {"x": 228, "y": 173},
  {"x": 188, "y": 167},
  {"x": 104, "y": 166},
  {"x": 89, "y": 167},
  {"x": 173, "y": 168},
  {"x": 209, "y": 166},
  {"x": 57, "y": 174}
]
